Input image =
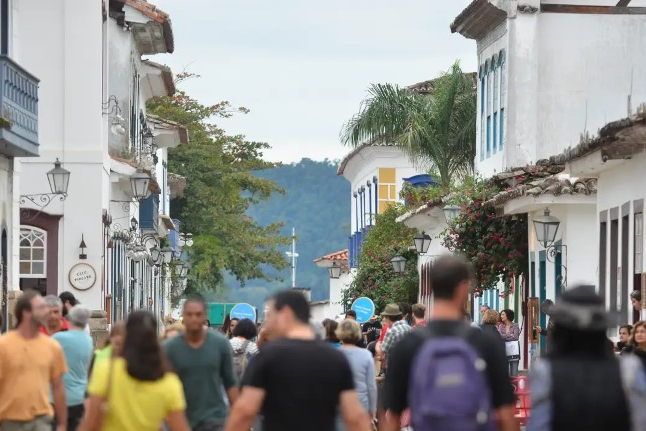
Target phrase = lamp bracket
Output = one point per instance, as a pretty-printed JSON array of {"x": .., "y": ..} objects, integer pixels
[
  {"x": 551, "y": 252},
  {"x": 41, "y": 200}
]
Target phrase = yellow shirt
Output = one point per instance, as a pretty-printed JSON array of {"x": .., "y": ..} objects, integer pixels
[
  {"x": 135, "y": 405},
  {"x": 27, "y": 367}
]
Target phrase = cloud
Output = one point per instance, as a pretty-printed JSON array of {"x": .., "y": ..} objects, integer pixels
[{"x": 303, "y": 67}]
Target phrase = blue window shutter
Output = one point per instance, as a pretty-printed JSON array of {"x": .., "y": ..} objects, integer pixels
[
  {"x": 502, "y": 128},
  {"x": 488, "y": 138},
  {"x": 495, "y": 127}
]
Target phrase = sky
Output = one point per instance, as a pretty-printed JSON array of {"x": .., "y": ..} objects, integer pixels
[{"x": 303, "y": 67}]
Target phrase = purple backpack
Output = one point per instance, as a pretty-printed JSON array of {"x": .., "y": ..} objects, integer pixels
[{"x": 448, "y": 388}]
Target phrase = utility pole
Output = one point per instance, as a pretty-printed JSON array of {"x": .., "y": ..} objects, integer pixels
[{"x": 293, "y": 255}]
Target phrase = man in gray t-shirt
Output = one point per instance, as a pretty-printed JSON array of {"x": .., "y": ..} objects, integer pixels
[{"x": 203, "y": 360}]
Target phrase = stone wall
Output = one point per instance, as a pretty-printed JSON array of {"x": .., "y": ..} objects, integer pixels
[{"x": 99, "y": 327}]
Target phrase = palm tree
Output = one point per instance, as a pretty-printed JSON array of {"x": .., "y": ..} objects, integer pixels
[{"x": 436, "y": 128}]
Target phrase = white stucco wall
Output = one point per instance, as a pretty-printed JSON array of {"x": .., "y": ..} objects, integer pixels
[
  {"x": 561, "y": 85},
  {"x": 69, "y": 63},
  {"x": 617, "y": 188},
  {"x": 7, "y": 214},
  {"x": 365, "y": 165}
]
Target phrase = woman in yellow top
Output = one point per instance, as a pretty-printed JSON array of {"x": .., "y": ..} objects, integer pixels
[{"x": 137, "y": 391}]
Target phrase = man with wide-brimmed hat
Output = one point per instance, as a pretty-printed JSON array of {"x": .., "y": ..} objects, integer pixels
[{"x": 398, "y": 327}]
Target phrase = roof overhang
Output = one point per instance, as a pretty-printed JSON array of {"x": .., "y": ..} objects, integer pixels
[
  {"x": 150, "y": 26},
  {"x": 158, "y": 79},
  {"x": 166, "y": 222},
  {"x": 359, "y": 154},
  {"x": 616, "y": 142},
  {"x": 479, "y": 18},
  {"x": 168, "y": 134},
  {"x": 528, "y": 204},
  {"x": 328, "y": 260},
  {"x": 429, "y": 217}
]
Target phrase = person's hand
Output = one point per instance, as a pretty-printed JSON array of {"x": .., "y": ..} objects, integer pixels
[{"x": 538, "y": 329}]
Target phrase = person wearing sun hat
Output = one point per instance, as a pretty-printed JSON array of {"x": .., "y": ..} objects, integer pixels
[{"x": 582, "y": 374}]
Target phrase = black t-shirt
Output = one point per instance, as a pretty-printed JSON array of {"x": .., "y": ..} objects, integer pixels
[
  {"x": 489, "y": 346},
  {"x": 302, "y": 380},
  {"x": 373, "y": 334}
]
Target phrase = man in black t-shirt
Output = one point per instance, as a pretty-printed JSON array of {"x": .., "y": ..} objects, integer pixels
[
  {"x": 371, "y": 329},
  {"x": 450, "y": 278},
  {"x": 297, "y": 381}
]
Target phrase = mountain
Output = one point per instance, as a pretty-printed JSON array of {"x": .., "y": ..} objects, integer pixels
[{"x": 317, "y": 204}]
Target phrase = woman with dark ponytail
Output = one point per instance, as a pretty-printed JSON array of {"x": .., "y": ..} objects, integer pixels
[{"x": 137, "y": 391}]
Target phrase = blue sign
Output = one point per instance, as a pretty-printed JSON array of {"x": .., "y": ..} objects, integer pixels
[
  {"x": 365, "y": 309},
  {"x": 243, "y": 311}
]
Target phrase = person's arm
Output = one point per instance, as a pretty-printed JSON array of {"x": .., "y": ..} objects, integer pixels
[
  {"x": 177, "y": 421},
  {"x": 388, "y": 342},
  {"x": 60, "y": 403},
  {"x": 57, "y": 368},
  {"x": 244, "y": 412},
  {"x": 371, "y": 384},
  {"x": 175, "y": 404},
  {"x": 92, "y": 417},
  {"x": 97, "y": 389},
  {"x": 396, "y": 386},
  {"x": 226, "y": 372},
  {"x": 352, "y": 411}
]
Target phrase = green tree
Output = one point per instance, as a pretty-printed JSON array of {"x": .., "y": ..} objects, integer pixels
[
  {"x": 437, "y": 130},
  {"x": 220, "y": 188},
  {"x": 375, "y": 277}
]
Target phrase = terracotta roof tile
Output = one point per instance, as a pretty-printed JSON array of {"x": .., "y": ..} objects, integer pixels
[
  {"x": 338, "y": 255},
  {"x": 552, "y": 185},
  {"x": 617, "y": 140},
  {"x": 149, "y": 9}
]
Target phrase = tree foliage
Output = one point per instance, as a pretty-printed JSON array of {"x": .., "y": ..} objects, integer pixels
[
  {"x": 438, "y": 131},
  {"x": 496, "y": 245},
  {"x": 375, "y": 277},
  {"x": 220, "y": 189}
]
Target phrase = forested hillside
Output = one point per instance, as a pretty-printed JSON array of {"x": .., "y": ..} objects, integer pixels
[{"x": 317, "y": 203}]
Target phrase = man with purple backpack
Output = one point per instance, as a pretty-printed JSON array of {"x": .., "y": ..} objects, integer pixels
[{"x": 452, "y": 377}]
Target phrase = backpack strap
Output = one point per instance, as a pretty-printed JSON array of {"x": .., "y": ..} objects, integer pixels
[{"x": 633, "y": 381}]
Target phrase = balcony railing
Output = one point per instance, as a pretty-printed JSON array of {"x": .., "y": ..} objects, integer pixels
[{"x": 18, "y": 110}]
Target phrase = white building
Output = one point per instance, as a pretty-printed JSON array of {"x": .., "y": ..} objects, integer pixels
[
  {"x": 93, "y": 91},
  {"x": 376, "y": 173},
  {"x": 333, "y": 306},
  {"x": 543, "y": 89}
]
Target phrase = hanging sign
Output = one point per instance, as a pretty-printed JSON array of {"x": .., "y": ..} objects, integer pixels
[
  {"x": 82, "y": 276},
  {"x": 365, "y": 309}
]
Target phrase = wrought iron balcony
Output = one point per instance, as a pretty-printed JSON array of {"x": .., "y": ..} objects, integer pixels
[{"x": 18, "y": 110}]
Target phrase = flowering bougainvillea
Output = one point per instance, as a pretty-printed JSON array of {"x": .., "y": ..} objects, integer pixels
[
  {"x": 375, "y": 277},
  {"x": 496, "y": 245}
]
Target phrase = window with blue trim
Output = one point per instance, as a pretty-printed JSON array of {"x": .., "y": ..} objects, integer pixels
[{"x": 493, "y": 92}]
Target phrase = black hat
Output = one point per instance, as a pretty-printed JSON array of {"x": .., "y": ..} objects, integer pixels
[
  {"x": 68, "y": 297},
  {"x": 582, "y": 309}
]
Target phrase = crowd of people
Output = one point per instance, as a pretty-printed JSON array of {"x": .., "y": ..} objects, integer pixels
[{"x": 401, "y": 370}]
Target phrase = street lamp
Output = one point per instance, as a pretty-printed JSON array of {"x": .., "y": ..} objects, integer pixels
[
  {"x": 167, "y": 252},
  {"x": 399, "y": 263},
  {"x": 139, "y": 183},
  {"x": 184, "y": 271},
  {"x": 422, "y": 243},
  {"x": 451, "y": 212},
  {"x": 186, "y": 240},
  {"x": 546, "y": 227},
  {"x": 155, "y": 253},
  {"x": 59, "y": 179},
  {"x": 335, "y": 270}
]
